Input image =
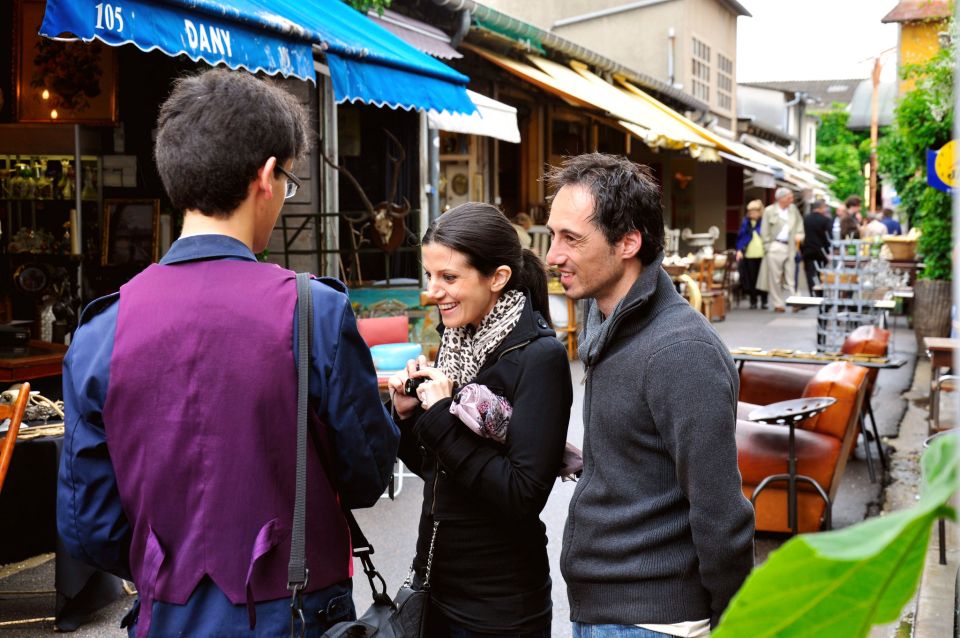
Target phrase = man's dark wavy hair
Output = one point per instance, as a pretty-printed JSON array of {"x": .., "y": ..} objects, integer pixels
[
  {"x": 216, "y": 129},
  {"x": 626, "y": 197}
]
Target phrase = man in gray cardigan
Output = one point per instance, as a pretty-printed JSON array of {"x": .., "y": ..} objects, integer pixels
[{"x": 659, "y": 536}]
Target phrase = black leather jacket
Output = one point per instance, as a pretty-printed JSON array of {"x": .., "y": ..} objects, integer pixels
[{"x": 488, "y": 496}]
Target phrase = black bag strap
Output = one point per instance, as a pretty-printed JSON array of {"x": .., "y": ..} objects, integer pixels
[{"x": 297, "y": 572}]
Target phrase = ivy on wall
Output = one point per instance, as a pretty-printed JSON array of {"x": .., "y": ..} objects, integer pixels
[{"x": 924, "y": 121}]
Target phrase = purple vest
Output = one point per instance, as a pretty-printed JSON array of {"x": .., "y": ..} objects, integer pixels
[{"x": 200, "y": 420}]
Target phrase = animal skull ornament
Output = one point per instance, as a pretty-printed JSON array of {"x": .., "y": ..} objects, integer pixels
[{"x": 387, "y": 217}]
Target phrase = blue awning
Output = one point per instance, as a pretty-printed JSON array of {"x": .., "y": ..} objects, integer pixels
[{"x": 367, "y": 63}]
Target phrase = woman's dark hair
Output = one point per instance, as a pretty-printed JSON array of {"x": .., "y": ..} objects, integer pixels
[
  {"x": 486, "y": 238},
  {"x": 853, "y": 200},
  {"x": 849, "y": 228}
]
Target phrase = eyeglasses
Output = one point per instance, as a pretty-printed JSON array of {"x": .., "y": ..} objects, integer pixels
[{"x": 293, "y": 182}]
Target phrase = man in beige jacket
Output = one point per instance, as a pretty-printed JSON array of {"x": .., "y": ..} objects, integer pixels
[{"x": 781, "y": 232}]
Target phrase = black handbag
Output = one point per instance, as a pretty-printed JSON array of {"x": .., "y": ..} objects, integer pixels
[{"x": 403, "y": 616}]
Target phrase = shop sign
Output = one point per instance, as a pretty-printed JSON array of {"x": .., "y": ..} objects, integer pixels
[{"x": 942, "y": 167}]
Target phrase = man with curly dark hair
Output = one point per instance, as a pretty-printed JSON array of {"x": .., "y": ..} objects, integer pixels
[{"x": 659, "y": 536}]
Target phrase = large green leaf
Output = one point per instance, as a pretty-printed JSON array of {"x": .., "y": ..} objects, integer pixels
[{"x": 841, "y": 583}]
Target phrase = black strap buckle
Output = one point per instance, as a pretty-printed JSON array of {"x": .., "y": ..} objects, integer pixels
[
  {"x": 373, "y": 576},
  {"x": 296, "y": 607}
]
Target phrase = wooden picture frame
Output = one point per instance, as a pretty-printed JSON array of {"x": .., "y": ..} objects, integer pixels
[
  {"x": 131, "y": 232},
  {"x": 68, "y": 82}
]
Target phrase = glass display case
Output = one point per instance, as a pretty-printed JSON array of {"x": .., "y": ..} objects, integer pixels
[{"x": 41, "y": 254}]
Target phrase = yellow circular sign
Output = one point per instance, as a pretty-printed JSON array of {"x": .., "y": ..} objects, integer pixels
[{"x": 946, "y": 164}]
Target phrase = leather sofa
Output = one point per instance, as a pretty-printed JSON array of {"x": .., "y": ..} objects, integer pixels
[{"x": 823, "y": 442}]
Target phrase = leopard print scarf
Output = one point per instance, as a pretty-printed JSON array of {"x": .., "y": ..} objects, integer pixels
[{"x": 463, "y": 353}]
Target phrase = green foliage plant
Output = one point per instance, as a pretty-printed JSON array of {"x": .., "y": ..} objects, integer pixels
[
  {"x": 365, "y": 5},
  {"x": 838, "y": 151},
  {"x": 923, "y": 121},
  {"x": 843, "y": 162},
  {"x": 840, "y": 583}
]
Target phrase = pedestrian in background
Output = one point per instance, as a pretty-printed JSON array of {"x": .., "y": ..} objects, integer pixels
[
  {"x": 482, "y": 497},
  {"x": 782, "y": 232},
  {"x": 523, "y": 223},
  {"x": 750, "y": 253},
  {"x": 179, "y": 448},
  {"x": 873, "y": 227},
  {"x": 659, "y": 537},
  {"x": 839, "y": 214},
  {"x": 817, "y": 227},
  {"x": 893, "y": 226},
  {"x": 854, "y": 204},
  {"x": 849, "y": 227}
]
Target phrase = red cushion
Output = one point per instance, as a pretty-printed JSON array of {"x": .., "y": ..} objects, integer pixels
[{"x": 377, "y": 330}]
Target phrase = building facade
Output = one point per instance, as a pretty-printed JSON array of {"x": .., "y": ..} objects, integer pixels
[
  {"x": 921, "y": 24},
  {"x": 689, "y": 44}
]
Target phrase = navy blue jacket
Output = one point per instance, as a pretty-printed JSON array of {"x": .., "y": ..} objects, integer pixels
[
  {"x": 743, "y": 237},
  {"x": 893, "y": 226}
]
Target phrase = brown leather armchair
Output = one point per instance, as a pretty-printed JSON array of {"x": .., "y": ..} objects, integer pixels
[
  {"x": 785, "y": 385},
  {"x": 823, "y": 442},
  {"x": 869, "y": 340}
]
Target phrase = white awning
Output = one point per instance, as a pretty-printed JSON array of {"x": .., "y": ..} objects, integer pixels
[
  {"x": 492, "y": 119},
  {"x": 809, "y": 171},
  {"x": 754, "y": 166}
]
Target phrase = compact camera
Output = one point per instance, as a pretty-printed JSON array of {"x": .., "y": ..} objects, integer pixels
[{"x": 410, "y": 387}]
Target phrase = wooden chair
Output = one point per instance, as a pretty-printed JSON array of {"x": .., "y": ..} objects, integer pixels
[
  {"x": 725, "y": 283},
  {"x": 693, "y": 292},
  {"x": 705, "y": 270},
  {"x": 946, "y": 383},
  {"x": 568, "y": 333},
  {"x": 14, "y": 412},
  {"x": 715, "y": 278}
]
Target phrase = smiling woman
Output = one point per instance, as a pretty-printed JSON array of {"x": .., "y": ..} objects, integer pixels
[
  {"x": 483, "y": 497},
  {"x": 463, "y": 295}
]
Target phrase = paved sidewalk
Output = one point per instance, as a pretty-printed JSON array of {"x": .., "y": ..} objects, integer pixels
[{"x": 931, "y": 612}]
